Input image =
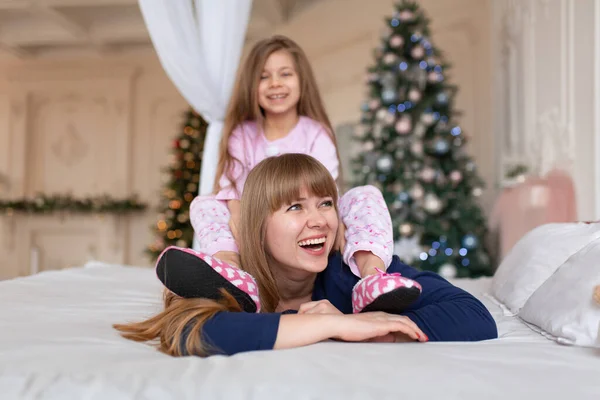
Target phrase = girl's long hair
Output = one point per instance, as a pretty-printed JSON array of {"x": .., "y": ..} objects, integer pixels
[
  {"x": 275, "y": 182},
  {"x": 243, "y": 105}
]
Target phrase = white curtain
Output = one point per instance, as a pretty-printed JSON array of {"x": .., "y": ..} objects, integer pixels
[{"x": 199, "y": 44}]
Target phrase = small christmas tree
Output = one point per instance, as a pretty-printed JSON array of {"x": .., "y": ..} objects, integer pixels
[
  {"x": 413, "y": 149},
  {"x": 173, "y": 226}
]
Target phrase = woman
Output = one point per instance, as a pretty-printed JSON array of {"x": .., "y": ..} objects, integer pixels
[{"x": 289, "y": 225}]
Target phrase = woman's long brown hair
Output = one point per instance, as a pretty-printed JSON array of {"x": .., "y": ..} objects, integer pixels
[
  {"x": 166, "y": 328},
  {"x": 243, "y": 105}
]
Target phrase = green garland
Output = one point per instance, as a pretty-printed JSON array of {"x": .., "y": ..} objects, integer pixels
[{"x": 44, "y": 204}]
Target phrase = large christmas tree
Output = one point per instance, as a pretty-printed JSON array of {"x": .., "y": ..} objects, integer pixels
[
  {"x": 183, "y": 173},
  {"x": 412, "y": 147}
]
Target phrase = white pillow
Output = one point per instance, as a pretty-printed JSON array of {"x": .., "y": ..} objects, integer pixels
[
  {"x": 535, "y": 257},
  {"x": 564, "y": 307}
]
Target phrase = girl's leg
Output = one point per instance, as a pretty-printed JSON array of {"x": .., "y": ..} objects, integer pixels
[
  {"x": 210, "y": 219},
  {"x": 190, "y": 274},
  {"x": 369, "y": 245},
  {"x": 368, "y": 229}
]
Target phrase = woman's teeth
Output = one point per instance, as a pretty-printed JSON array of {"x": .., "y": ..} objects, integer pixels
[
  {"x": 277, "y": 96},
  {"x": 313, "y": 242}
]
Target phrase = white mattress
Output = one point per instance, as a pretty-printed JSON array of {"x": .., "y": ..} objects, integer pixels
[{"x": 56, "y": 342}]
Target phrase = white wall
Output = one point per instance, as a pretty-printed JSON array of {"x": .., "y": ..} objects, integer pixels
[
  {"x": 85, "y": 127},
  {"x": 547, "y": 90}
]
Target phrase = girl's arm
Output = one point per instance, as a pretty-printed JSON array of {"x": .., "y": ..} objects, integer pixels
[{"x": 238, "y": 171}]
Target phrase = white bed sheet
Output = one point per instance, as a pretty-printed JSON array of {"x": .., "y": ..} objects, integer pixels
[{"x": 56, "y": 342}]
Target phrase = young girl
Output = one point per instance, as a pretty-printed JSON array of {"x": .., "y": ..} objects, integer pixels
[
  {"x": 275, "y": 109},
  {"x": 306, "y": 294}
]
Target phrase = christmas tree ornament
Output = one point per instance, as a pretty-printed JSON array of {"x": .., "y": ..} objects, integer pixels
[
  {"x": 417, "y": 147},
  {"x": 406, "y": 229},
  {"x": 389, "y": 58},
  {"x": 432, "y": 203},
  {"x": 414, "y": 95},
  {"x": 417, "y": 53},
  {"x": 455, "y": 176},
  {"x": 417, "y": 192},
  {"x": 388, "y": 96},
  {"x": 384, "y": 164},
  {"x": 403, "y": 125},
  {"x": 441, "y": 146},
  {"x": 448, "y": 271},
  {"x": 434, "y": 77},
  {"x": 390, "y": 118},
  {"x": 396, "y": 41},
  {"x": 469, "y": 241},
  {"x": 406, "y": 16},
  {"x": 442, "y": 98},
  {"x": 427, "y": 174},
  {"x": 427, "y": 118},
  {"x": 403, "y": 197}
]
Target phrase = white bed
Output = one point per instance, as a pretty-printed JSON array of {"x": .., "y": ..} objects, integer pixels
[{"x": 56, "y": 342}]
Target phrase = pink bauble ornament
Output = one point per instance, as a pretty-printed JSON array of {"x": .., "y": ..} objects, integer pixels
[
  {"x": 396, "y": 41},
  {"x": 414, "y": 95},
  {"x": 433, "y": 76},
  {"x": 374, "y": 104},
  {"x": 455, "y": 176},
  {"x": 389, "y": 58},
  {"x": 417, "y": 52},
  {"x": 427, "y": 118},
  {"x": 417, "y": 192},
  {"x": 403, "y": 125},
  {"x": 406, "y": 15},
  {"x": 428, "y": 174},
  {"x": 381, "y": 114},
  {"x": 389, "y": 118},
  {"x": 417, "y": 148}
]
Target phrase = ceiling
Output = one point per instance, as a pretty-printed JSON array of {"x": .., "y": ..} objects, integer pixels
[{"x": 41, "y": 28}]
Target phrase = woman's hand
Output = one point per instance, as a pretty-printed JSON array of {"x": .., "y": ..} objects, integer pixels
[
  {"x": 318, "y": 307},
  {"x": 378, "y": 327}
]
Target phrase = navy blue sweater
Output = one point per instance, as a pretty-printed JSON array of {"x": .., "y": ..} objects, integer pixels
[{"x": 443, "y": 311}]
